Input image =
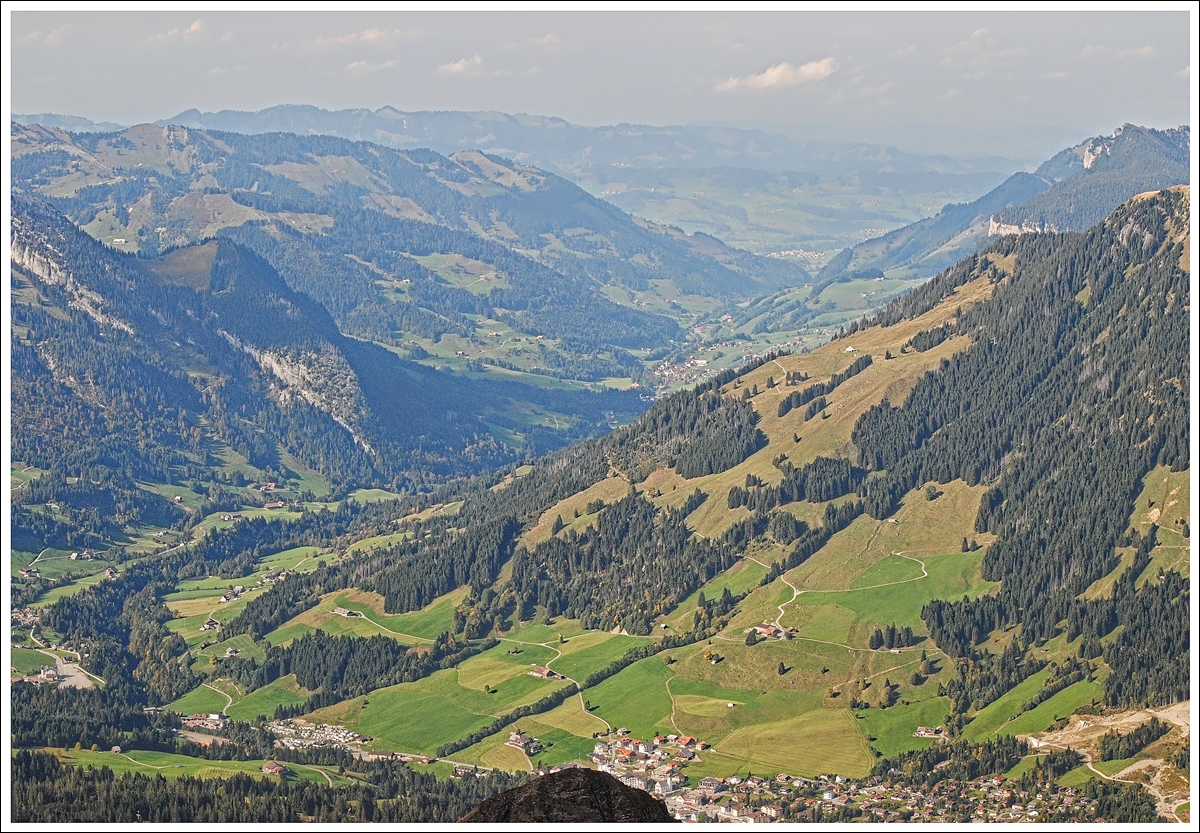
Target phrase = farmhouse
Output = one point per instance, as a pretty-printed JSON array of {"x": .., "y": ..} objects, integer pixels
[
  {"x": 528, "y": 745},
  {"x": 769, "y": 630},
  {"x": 544, "y": 673},
  {"x": 274, "y": 768}
]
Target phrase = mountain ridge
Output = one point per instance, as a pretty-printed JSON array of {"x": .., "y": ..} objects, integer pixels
[{"x": 1074, "y": 189}]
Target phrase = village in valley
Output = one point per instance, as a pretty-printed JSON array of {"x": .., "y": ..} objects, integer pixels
[{"x": 658, "y": 765}]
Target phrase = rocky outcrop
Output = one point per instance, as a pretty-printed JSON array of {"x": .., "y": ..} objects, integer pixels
[{"x": 571, "y": 795}]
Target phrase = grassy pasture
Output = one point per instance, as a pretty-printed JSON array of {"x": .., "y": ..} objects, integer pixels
[
  {"x": 892, "y": 728},
  {"x": 949, "y": 576},
  {"x": 262, "y": 702},
  {"x": 636, "y": 698},
  {"x": 609, "y": 490},
  {"x": 411, "y": 717},
  {"x": 409, "y": 628},
  {"x": 1076, "y": 777},
  {"x": 812, "y": 743},
  {"x": 422, "y": 715},
  {"x": 170, "y": 765},
  {"x": 571, "y": 717},
  {"x": 25, "y": 661},
  {"x": 585, "y": 654},
  {"x": 503, "y": 756},
  {"x": 1170, "y": 494},
  {"x": 992, "y": 719},
  {"x": 426, "y": 623},
  {"x": 378, "y": 542},
  {"x": 372, "y": 495},
  {"x": 739, "y": 578},
  {"x": 200, "y": 700},
  {"x": 1060, "y": 705},
  {"x": 1111, "y": 768},
  {"x": 54, "y": 594}
]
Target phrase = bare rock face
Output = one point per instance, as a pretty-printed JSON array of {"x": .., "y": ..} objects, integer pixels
[{"x": 571, "y": 795}]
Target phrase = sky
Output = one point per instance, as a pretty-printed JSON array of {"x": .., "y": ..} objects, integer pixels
[{"x": 992, "y": 81}]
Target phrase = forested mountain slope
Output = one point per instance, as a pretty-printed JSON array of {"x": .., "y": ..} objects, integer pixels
[
  {"x": 131, "y": 369},
  {"x": 1069, "y": 192}
]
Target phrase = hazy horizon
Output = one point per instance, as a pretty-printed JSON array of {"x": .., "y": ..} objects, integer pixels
[{"x": 1015, "y": 83}]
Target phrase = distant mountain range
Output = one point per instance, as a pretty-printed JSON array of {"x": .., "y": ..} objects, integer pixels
[
  {"x": 760, "y": 191},
  {"x": 1073, "y": 190},
  {"x": 558, "y": 145}
]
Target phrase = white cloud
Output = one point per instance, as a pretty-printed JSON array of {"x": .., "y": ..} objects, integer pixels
[
  {"x": 191, "y": 33},
  {"x": 51, "y": 40},
  {"x": 782, "y": 75},
  {"x": 548, "y": 39},
  {"x": 1185, "y": 72},
  {"x": 1100, "y": 50},
  {"x": 364, "y": 67},
  {"x": 1056, "y": 76},
  {"x": 461, "y": 67},
  {"x": 877, "y": 91},
  {"x": 977, "y": 50},
  {"x": 1139, "y": 52}
]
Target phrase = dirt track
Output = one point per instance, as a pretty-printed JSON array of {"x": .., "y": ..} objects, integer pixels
[{"x": 1169, "y": 787}]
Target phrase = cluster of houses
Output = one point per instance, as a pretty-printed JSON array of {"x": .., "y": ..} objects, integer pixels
[
  {"x": 349, "y": 614},
  {"x": 695, "y": 370},
  {"x": 299, "y": 734},
  {"x": 929, "y": 732},
  {"x": 25, "y": 617},
  {"x": 210, "y": 720},
  {"x": 274, "y": 575},
  {"x": 988, "y": 799},
  {"x": 84, "y": 555},
  {"x": 655, "y": 766}
]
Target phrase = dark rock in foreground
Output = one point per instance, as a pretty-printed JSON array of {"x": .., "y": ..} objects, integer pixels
[{"x": 571, "y": 795}]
